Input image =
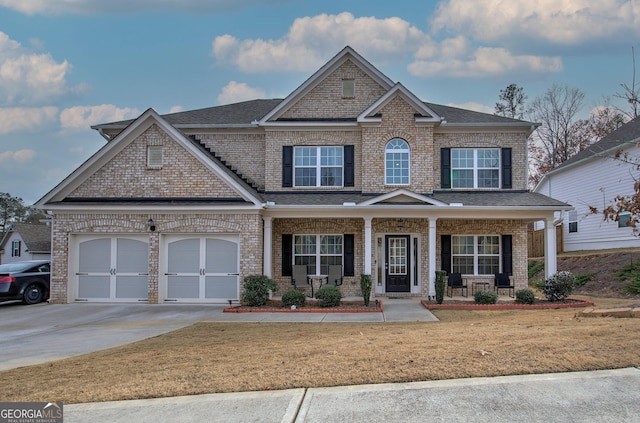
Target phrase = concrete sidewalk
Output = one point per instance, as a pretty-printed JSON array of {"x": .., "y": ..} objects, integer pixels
[{"x": 599, "y": 396}]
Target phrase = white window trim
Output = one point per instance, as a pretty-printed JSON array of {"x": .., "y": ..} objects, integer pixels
[
  {"x": 476, "y": 169},
  {"x": 318, "y": 255},
  {"x": 318, "y": 166},
  {"x": 408, "y": 151},
  {"x": 572, "y": 217},
  {"x": 477, "y": 255},
  {"x": 16, "y": 248}
]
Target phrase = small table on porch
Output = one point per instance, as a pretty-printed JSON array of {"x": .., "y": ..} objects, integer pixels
[
  {"x": 476, "y": 285},
  {"x": 316, "y": 278}
]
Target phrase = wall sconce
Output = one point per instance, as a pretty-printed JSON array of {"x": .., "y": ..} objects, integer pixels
[{"x": 151, "y": 225}]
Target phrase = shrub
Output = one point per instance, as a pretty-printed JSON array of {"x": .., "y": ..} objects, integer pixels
[
  {"x": 485, "y": 297},
  {"x": 525, "y": 296},
  {"x": 582, "y": 279},
  {"x": 365, "y": 287},
  {"x": 441, "y": 282},
  {"x": 534, "y": 268},
  {"x": 559, "y": 286},
  {"x": 328, "y": 296},
  {"x": 293, "y": 298},
  {"x": 631, "y": 273},
  {"x": 256, "y": 290}
]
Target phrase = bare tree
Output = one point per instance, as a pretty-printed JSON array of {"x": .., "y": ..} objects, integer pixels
[
  {"x": 555, "y": 141},
  {"x": 511, "y": 102},
  {"x": 631, "y": 94}
]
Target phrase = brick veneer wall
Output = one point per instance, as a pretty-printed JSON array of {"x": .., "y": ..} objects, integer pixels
[
  {"x": 247, "y": 226},
  {"x": 325, "y": 100},
  {"x": 127, "y": 175},
  {"x": 517, "y": 140}
]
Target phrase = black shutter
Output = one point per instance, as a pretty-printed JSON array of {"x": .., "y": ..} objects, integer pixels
[
  {"x": 445, "y": 253},
  {"x": 287, "y": 166},
  {"x": 506, "y": 168},
  {"x": 507, "y": 248},
  {"x": 445, "y": 168},
  {"x": 349, "y": 256},
  {"x": 287, "y": 250},
  {"x": 348, "y": 166}
]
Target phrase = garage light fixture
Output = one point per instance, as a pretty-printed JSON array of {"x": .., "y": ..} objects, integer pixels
[{"x": 151, "y": 225}]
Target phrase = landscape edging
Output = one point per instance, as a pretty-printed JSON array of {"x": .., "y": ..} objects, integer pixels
[
  {"x": 575, "y": 304},
  {"x": 247, "y": 309}
]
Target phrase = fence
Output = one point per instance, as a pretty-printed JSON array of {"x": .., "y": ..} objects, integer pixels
[{"x": 535, "y": 242}]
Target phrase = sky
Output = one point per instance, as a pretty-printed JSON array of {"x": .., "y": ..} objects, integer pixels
[{"x": 68, "y": 64}]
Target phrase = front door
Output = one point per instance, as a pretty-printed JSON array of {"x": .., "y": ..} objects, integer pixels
[{"x": 397, "y": 263}]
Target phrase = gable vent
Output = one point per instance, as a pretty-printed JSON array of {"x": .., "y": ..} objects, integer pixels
[{"x": 154, "y": 156}]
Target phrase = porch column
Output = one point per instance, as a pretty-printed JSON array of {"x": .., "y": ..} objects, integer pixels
[
  {"x": 367, "y": 245},
  {"x": 550, "y": 252},
  {"x": 432, "y": 257},
  {"x": 266, "y": 245}
]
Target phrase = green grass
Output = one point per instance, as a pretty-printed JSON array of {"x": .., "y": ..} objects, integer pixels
[
  {"x": 535, "y": 268},
  {"x": 582, "y": 279}
]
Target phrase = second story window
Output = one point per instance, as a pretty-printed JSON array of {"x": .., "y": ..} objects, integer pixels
[
  {"x": 397, "y": 162},
  {"x": 16, "y": 247},
  {"x": 475, "y": 168},
  {"x": 318, "y": 166}
]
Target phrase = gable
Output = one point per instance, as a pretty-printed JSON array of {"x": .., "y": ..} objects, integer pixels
[
  {"x": 127, "y": 175},
  {"x": 325, "y": 101}
]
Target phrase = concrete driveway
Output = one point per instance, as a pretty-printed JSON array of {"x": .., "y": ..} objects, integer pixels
[{"x": 44, "y": 332}]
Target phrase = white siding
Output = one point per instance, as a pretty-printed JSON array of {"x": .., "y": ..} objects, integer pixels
[{"x": 594, "y": 183}]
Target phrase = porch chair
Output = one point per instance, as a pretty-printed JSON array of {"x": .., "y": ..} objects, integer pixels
[
  {"x": 335, "y": 275},
  {"x": 503, "y": 281},
  {"x": 455, "y": 281},
  {"x": 299, "y": 276}
]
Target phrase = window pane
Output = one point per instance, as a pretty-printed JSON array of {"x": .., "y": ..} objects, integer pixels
[
  {"x": 462, "y": 159},
  {"x": 462, "y": 244},
  {"x": 331, "y": 244},
  {"x": 331, "y": 176},
  {"x": 331, "y": 156},
  {"x": 305, "y": 156},
  {"x": 463, "y": 264},
  {"x": 305, "y": 177},
  {"x": 488, "y": 179},
  {"x": 488, "y": 265},
  {"x": 488, "y": 158},
  {"x": 397, "y": 162},
  {"x": 304, "y": 244},
  {"x": 462, "y": 178},
  {"x": 488, "y": 245}
]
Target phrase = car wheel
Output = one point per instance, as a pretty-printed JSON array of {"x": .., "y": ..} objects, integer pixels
[{"x": 33, "y": 294}]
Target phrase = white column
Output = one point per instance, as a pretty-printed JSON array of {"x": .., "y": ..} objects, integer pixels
[
  {"x": 432, "y": 257},
  {"x": 550, "y": 253},
  {"x": 266, "y": 240},
  {"x": 367, "y": 245}
]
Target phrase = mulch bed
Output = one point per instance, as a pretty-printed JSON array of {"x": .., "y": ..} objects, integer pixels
[
  {"x": 537, "y": 305},
  {"x": 275, "y": 306}
]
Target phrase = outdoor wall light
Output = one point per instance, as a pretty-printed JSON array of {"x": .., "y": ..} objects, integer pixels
[{"x": 151, "y": 225}]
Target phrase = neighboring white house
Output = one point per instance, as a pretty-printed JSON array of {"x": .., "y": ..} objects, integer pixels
[
  {"x": 593, "y": 178},
  {"x": 26, "y": 241}
]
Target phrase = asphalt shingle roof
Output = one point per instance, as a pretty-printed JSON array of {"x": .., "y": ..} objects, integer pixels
[{"x": 36, "y": 237}]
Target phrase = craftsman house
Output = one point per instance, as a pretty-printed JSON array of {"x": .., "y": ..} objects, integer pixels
[{"x": 350, "y": 169}]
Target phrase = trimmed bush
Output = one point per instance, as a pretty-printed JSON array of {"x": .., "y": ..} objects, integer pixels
[
  {"x": 328, "y": 296},
  {"x": 525, "y": 296},
  {"x": 485, "y": 297},
  {"x": 365, "y": 287},
  {"x": 256, "y": 290},
  {"x": 293, "y": 297},
  {"x": 559, "y": 286},
  {"x": 441, "y": 282}
]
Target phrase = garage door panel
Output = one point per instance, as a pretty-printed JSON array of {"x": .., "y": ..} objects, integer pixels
[
  {"x": 222, "y": 256},
  {"x": 221, "y": 287},
  {"x": 132, "y": 256},
  {"x": 184, "y": 256},
  {"x": 131, "y": 287},
  {"x": 184, "y": 287},
  {"x": 94, "y": 286},
  {"x": 95, "y": 256}
]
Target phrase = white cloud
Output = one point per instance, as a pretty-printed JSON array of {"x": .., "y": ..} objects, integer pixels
[
  {"x": 310, "y": 41},
  {"x": 176, "y": 109},
  {"x": 82, "y": 117},
  {"x": 25, "y": 119},
  {"x": 20, "y": 156},
  {"x": 91, "y": 7},
  {"x": 485, "y": 62},
  {"x": 560, "y": 22},
  {"x": 28, "y": 78},
  {"x": 235, "y": 92}
]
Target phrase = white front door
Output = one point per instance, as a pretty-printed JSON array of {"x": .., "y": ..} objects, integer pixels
[
  {"x": 201, "y": 269},
  {"x": 112, "y": 269}
]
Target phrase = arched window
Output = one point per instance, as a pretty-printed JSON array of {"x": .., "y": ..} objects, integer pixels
[{"x": 397, "y": 162}]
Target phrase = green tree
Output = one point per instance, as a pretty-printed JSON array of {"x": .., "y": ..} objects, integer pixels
[{"x": 13, "y": 209}]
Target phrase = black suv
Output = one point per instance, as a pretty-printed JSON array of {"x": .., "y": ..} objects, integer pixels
[{"x": 26, "y": 280}]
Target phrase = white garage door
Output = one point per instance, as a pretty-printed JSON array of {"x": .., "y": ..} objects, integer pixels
[
  {"x": 201, "y": 269},
  {"x": 112, "y": 269}
]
